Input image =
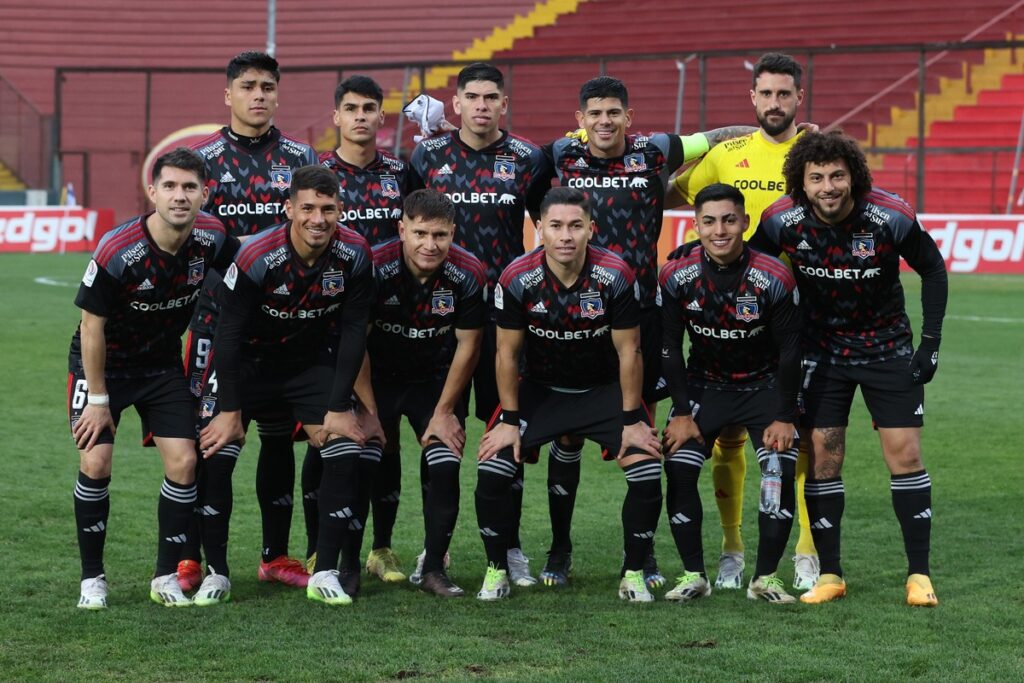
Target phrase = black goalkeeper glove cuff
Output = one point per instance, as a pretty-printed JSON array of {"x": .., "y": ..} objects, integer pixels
[
  {"x": 683, "y": 250},
  {"x": 925, "y": 361}
]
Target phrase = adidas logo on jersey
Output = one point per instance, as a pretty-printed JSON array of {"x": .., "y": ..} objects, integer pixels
[
  {"x": 581, "y": 163},
  {"x": 393, "y": 301},
  {"x": 283, "y": 289},
  {"x": 803, "y": 245},
  {"x": 539, "y": 307},
  {"x": 227, "y": 177},
  {"x": 920, "y": 409},
  {"x": 146, "y": 285},
  {"x": 444, "y": 170},
  {"x": 743, "y": 164},
  {"x": 693, "y": 306},
  {"x": 927, "y": 514}
]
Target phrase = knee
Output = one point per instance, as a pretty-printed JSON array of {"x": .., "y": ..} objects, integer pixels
[
  {"x": 905, "y": 458},
  {"x": 97, "y": 463}
]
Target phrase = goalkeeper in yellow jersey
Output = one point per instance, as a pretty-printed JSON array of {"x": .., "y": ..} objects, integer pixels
[{"x": 753, "y": 164}]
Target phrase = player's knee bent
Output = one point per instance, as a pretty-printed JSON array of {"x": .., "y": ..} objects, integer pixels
[
  {"x": 730, "y": 439},
  {"x": 97, "y": 463},
  {"x": 904, "y": 456},
  {"x": 496, "y": 475}
]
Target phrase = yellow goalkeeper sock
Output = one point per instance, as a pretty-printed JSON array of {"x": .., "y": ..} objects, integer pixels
[
  {"x": 805, "y": 543},
  {"x": 728, "y": 470}
]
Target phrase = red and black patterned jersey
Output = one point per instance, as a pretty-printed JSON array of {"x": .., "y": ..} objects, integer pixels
[
  {"x": 249, "y": 178},
  {"x": 849, "y": 276},
  {"x": 371, "y": 197},
  {"x": 735, "y": 317},
  {"x": 491, "y": 189},
  {"x": 412, "y": 330},
  {"x": 277, "y": 310},
  {"x": 146, "y": 294},
  {"x": 568, "y": 329},
  {"x": 628, "y": 195}
]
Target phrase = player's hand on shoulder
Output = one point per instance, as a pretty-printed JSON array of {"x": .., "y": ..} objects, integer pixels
[
  {"x": 678, "y": 431},
  {"x": 578, "y": 134},
  {"x": 224, "y": 428},
  {"x": 447, "y": 429},
  {"x": 640, "y": 435},
  {"x": 808, "y": 127},
  {"x": 779, "y": 436},
  {"x": 683, "y": 250},
  {"x": 500, "y": 436},
  {"x": 94, "y": 419}
]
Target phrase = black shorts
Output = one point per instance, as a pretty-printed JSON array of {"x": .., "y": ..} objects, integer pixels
[
  {"x": 655, "y": 387},
  {"x": 889, "y": 393},
  {"x": 162, "y": 401},
  {"x": 596, "y": 414},
  {"x": 415, "y": 400},
  {"x": 269, "y": 388},
  {"x": 714, "y": 409},
  {"x": 485, "y": 384}
]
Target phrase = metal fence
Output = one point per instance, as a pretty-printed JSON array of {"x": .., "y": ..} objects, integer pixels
[{"x": 25, "y": 144}]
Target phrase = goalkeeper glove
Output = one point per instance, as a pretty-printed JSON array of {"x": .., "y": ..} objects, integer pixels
[{"x": 925, "y": 361}]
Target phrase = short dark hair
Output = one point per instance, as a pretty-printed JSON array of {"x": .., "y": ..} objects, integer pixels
[
  {"x": 778, "y": 63},
  {"x": 565, "y": 195},
  {"x": 480, "y": 71},
  {"x": 428, "y": 205},
  {"x": 314, "y": 177},
  {"x": 250, "y": 59},
  {"x": 718, "y": 192},
  {"x": 604, "y": 87},
  {"x": 822, "y": 148},
  {"x": 183, "y": 158},
  {"x": 360, "y": 85}
]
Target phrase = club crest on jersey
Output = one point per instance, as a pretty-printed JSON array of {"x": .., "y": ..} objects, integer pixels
[
  {"x": 747, "y": 308},
  {"x": 591, "y": 305},
  {"x": 280, "y": 177},
  {"x": 505, "y": 168},
  {"x": 333, "y": 283},
  {"x": 443, "y": 302},
  {"x": 207, "y": 405},
  {"x": 196, "y": 269},
  {"x": 389, "y": 187},
  {"x": 863, "y": 245},
  {"x": 634, "y": 163},
  {"x": 195, "y": 384}
]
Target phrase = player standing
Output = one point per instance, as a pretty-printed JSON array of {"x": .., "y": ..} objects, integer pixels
[
  {"x": 492, "y": 176},
  {"x": 571, "y": 309},
  {"x": 739, "y": 308},
  {"x": 136, "y": 298},
  {"x": 753, "y": 164},
  {"x": 845, "y": 241}
]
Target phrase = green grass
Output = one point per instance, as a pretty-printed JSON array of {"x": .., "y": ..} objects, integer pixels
[{"x": 583, "y": 633}]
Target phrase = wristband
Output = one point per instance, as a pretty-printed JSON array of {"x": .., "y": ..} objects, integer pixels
[
  {"x": 631, "y": 417},
  {"x": 509, "y": 417},
  {"x": 98, "y": 399}
]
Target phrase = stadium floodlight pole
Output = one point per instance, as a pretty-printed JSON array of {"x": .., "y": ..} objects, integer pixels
[
  {"x": 1016, "y": 167},
  {"x": 271, "y": 26}
]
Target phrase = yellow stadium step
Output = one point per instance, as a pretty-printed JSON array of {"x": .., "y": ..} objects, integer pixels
[
  {"x": 544, "y": 13},
  {"x": 9, "y": 181},
  {"x": 952, "y": 93}
]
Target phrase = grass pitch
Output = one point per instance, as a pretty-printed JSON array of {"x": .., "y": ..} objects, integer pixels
[{"x": 581, "y": 633}]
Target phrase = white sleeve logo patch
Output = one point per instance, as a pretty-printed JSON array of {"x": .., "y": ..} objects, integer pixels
[
  {"x": 91, "y": 271},
  {"x": 499, "y": 297},
  {"x": 231, "y": 277}
]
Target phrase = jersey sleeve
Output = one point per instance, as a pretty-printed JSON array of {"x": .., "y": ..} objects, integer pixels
[
  {"x": 673, "y": 327},
  {"x": 921, "y": 253},
  {"x": 417, "y": 169},
  {"x": 542, "y": 172},
  {"x": 237, "y": 297},
  {"x": 625, "y": 303},
  {"x": 98, "y": 291},
  {"x": 694, "y": 179},
  {"x": 472, "y": 313},
  {"x": 672, "y": 147},
  {"x": 785, "y": 329},
  {"x": 508, "y": 304},
  {"x": 766, "y": 238},
  {"x": 355, "y": 316}
]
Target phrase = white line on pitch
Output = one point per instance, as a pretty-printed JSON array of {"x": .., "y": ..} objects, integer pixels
[
  {"x": 984, "y": 319},
  {"x": 53, "y": 283}
]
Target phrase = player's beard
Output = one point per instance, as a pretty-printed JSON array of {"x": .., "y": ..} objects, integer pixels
[{"x": 775, "y": 128}]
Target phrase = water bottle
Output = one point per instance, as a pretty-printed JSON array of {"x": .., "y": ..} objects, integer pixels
[{"x": 771, "y": 484}]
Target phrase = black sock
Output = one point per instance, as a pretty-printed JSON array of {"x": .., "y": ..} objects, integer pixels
[
  {"x": 369, "y": 464},
  {"x": 387, "y": 491},
  {"x": 773, "y": 531},
  {"x": 518, "y": 484},
  {"x": 173, "y": 512},
  {"x": 92, "y": 508},
  {"x": 563, "y": 481},
  {"x": 442, "y": 506},
  {"x": 216, "y": 507},
  {"x": 191, "y": 550},
  {"x": 912, "y": 501},
  {"x": 684, "y": 508},
  {"x": 826, "y": 499},
  {"x": 275, "y": 486},
  {"x": 339, "y": 499},
  {"x": 494, "y": 483},
  {"x": 312, "y": 469},
  {"x": 640, "y": 511}
]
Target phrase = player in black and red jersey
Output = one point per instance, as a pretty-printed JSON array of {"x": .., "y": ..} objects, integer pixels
[
  {"x": 249, "y": 165},
  {"x": 739, "y": 308},
  {"x": 845, "y": 240},
  {"x": 136, "y": 298},
  {"x": 571, "y": 309},
  {"x": 423, "y": 346},
  {"x": 493, "y": 177},
  {"x": 372, "y": 185},
  {"x": 279, "y": 300}
]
